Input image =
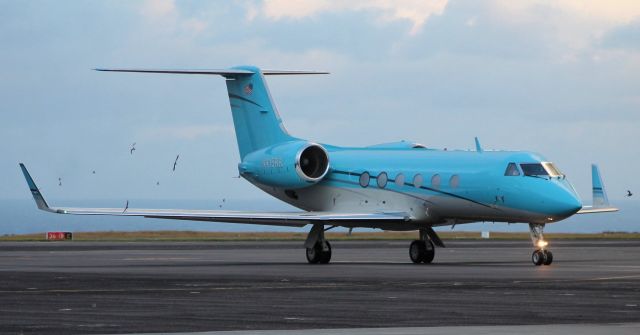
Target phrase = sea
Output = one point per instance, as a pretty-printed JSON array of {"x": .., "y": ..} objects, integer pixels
[{"x": 20, "y": 216}]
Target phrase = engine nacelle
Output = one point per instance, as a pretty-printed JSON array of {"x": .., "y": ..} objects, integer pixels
[{"x": 295, "y": 164}]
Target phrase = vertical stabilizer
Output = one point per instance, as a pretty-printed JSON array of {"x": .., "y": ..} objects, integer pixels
[{"x": 255, "y": 117}]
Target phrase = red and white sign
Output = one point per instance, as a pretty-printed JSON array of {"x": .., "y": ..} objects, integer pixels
[{"x": 59, "y": 235}]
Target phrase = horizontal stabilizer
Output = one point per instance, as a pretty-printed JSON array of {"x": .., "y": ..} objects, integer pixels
[{"x": 222, "y": 72}]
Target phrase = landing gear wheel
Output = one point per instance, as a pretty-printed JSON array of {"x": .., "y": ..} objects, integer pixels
[
  {"x": 548, "y": 257},
  {"x": 325, "y": 256},
  {"x": 417, "y": 251},
  {"x": 319, "y": 253},
  {"x": 430, "y": 252},
  {"x": 537, "y": 257}
]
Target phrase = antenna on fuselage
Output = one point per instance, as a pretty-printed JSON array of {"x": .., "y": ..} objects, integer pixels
[{"x": 478, "y": 147}]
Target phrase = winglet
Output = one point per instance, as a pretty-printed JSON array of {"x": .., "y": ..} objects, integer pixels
[
  {"x": 599, "y": 194},
  {"x": 478, "y": 147},
  {"x": 37, "y": 196},
  {"x": 600, "y": 200}
]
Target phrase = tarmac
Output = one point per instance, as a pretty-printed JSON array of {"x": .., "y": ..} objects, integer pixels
[{"x": 484, "y": 287}]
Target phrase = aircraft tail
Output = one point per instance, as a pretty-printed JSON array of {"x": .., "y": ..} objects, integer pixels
[{"x": 255, "y": 117}]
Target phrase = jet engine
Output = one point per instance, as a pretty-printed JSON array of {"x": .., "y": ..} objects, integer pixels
[{"x": 291, "y": 165}]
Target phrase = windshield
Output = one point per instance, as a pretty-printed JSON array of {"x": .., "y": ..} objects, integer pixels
[
  {"x": 540, "y": 169},
  {"x": 552, "y": 169},
  {"x": 533, "y": 169}
]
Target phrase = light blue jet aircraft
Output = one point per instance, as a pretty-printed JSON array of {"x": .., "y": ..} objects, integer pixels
[{"x": 393, "y": 186}]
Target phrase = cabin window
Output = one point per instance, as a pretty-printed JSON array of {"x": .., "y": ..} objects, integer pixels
[
  {"x": 512, "y": 170},
  {"x": 417, "y": 180},
  {"x": 364, "y": 179},
  {"x": 454, "y": 181},
  {"x": 399, "y": 180},
  {"x": 382, "y": 179},
  {"x": 435, "y": 181},
  {"x": 533, "y": 169}
]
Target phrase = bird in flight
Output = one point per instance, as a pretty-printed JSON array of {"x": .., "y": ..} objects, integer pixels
[
  {"x": 629, "y": 194},
  {"x": 133, "y": 148},
  {"x": 175, "y": 162},
  {"x": 59, "y": 181},
  {"x": 158, "y": 183},
  {"x": 93, "y": 172}
]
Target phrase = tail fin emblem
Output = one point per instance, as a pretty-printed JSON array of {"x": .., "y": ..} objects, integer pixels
[{"x": 248, "y": 89}]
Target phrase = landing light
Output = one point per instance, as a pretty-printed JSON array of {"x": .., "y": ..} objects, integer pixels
[{"x": 542, "y": 243}]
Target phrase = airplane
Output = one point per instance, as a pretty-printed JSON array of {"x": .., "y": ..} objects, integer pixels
[{"x": 399, "y": 186}]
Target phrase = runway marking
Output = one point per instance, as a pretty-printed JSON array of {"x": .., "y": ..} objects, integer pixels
[
  {"x": 247, "y": 288},
  {"x": 161, "y": 259},
  {"x": 575, "y": 280}
]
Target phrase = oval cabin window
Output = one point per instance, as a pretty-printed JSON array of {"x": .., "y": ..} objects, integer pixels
[
  {"x": 382, "y": 179},
  {"x": 435, "y": 181},
  {"x": 454, "y": 182},
  {"x": 417, "y": 180},
  {"x": 364, "y": 179}
]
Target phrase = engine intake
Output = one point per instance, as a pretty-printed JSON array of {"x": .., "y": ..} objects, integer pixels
[{"x": 312, "y": 162}]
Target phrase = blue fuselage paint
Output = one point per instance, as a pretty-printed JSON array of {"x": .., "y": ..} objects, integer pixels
[{"x": 453, "y": 186}]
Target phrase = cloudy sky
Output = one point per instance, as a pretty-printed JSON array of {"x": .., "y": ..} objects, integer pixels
[{"x": 557, "y": 77}]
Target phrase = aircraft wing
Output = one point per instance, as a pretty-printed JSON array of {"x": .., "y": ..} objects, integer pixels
[
  {"x": 295, "y": 219},
  {"x": 592, "y": 210}
]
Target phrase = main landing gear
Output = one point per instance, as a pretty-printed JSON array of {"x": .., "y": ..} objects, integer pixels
[
  {"x": 423, "y": 250},
  {"x": 540, "y": 256},
  {"x": 318, "y": 248}
]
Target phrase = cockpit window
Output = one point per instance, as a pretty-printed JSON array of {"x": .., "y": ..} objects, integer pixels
[
  {"x": 533, "y": 169},
  {"x": 512, "y": 170},
  {"x": 552, "y": 169}
]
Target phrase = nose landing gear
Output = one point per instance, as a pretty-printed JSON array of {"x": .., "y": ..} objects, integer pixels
[{"x": 540, "y": 256}]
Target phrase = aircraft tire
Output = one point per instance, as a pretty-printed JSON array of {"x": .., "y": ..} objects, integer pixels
[
  {"x": 537, "y": 257},
  {"x": 430, "y": 252},
  {"x": 548, "y": 257},
  {"x": 314, "y": 254},
  {"x": 417, "y": 251},
  {"x": 325, "y": 255}
]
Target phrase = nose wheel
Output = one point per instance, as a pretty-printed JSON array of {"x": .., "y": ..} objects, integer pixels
[{"x": 541, "y": 256}]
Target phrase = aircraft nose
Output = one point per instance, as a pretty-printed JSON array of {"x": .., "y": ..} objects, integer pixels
[{"x": 566, "y": 203}]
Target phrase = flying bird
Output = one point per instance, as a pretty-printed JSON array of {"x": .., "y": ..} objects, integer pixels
[
  {"x": 93, "y": 172},
  {"x": 59, "y": 181},
  {"x": 133, "y": 148},
  {"x": 158, "y": 183},
  {"x": 175, "y": 162},
  {"x": 629, "y": 194}
]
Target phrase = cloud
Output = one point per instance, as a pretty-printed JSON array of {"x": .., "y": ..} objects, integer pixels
[
  {"x": 417, "y": 12},
  {"x": 158, "y": 9},
  {"x": 615, "y": 12},
  {"x": 166, "y": 17}
]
